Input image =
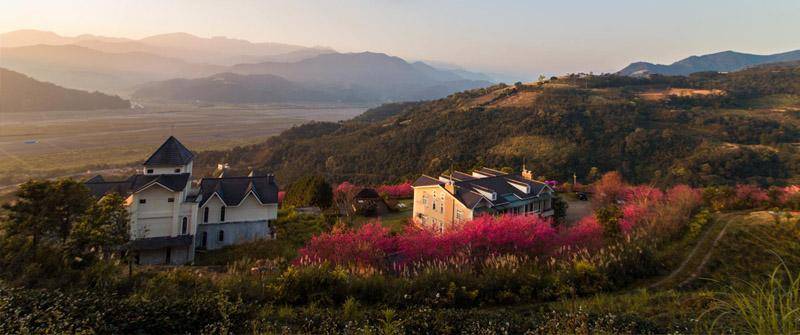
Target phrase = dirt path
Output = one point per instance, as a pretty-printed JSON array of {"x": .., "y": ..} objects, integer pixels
[{"x": 693, "y": 265}]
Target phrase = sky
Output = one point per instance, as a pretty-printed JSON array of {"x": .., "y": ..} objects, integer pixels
[{"x": 522, "y": 38}]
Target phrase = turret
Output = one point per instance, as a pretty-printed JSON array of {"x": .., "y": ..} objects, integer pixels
[{"x": 172, "y": 157}]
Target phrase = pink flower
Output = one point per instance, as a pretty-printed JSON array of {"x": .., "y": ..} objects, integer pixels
[
  {"x": 403, "y": 190},
  {"x": 345, "y": 187},
  {"x": 750, "y": 195}
]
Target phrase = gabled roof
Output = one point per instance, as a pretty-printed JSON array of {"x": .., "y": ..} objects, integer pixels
[
  {"x": 171, "y": 153},
  {"x": 502, "y": 185},
  {"x": 233, "y": 190},
  {"x": 99, "y": 187}
]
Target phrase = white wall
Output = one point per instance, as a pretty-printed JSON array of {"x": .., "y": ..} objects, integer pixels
[
  {"x": 168, "y": 169},
  {"x": 157, "y": 216}
]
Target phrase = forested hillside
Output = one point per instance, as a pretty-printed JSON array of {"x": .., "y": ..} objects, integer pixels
[
  {"x": 702, "y": 129},
  {"x": 20, "y": 93}
]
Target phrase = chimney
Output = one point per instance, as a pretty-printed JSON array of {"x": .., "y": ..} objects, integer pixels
[
  {"x": 527, "y": 174},
  {"x": 450, "y": 187}
]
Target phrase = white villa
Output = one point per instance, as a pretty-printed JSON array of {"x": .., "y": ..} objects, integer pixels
[{"x": 172, "y": 216}]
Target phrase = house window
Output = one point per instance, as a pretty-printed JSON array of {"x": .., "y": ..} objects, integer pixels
[
  {"x": 221, "y": 235},
  {"x": 142, "y": 201},
  {"x": 170, "y": 199},
  {"x": 459, "y": 214},
  {"x": 205, "y": 215},
  {"x": 424, "y": 199},
  {"x": 185, "y": 226},
  {"x": 204, "y": 240},
  {"x": 222, "y": 214},
  {"x": 177, "y": 170},
  {"x": 168, "y": 258},
  {"x": 434, "y": 204},
  {"x": 149, "y": 171}
]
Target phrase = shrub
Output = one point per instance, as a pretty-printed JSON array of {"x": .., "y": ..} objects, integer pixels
[
  {"x": 309, "y": 191},
  {"x": 403, "y": 190}
]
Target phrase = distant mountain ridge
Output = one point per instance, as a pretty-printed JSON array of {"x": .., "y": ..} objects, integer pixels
[
  {"x": 124, "y": 66},
  {"x": 725, "y": 61},
  {"x": 213, "y": 50},
  {"x": 20, "y": 93},
  {"x": 347, "y": 77},
  {"x": 83, "y": 68}
]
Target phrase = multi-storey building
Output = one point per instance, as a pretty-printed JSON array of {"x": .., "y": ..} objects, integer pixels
[
  {"x": 440, "y": 202},
  {"x": 171, "y": 218}
]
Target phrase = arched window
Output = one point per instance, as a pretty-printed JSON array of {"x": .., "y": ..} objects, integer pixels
[
  {"x": 222, "y": 214},
  {"x": 221, "y": 235},
  {"x": 185, "y": 226},
  {"x": 205, "y": 215}
]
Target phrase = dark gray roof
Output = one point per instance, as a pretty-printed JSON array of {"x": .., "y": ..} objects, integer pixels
[
  {"x": 171, "y": 153},
  {"x": 135, "y": 183},
  {"x": 232, "y": 190},
  {"x": 367, "y": 193},
  {"x": 462, "y": 176},
  {"x": 501, "y": 185},
  {"x": 151, "y": 243},
  {"x": 426, "y": 181}
]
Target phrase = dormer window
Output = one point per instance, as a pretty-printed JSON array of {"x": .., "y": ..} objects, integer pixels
[{"x": 149, "y": 171}]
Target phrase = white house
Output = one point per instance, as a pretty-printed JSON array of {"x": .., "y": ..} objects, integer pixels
[{"x": 170, "y": 218}]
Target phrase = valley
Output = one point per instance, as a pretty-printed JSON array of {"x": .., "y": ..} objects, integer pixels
[{"x": 56, "y": 143}]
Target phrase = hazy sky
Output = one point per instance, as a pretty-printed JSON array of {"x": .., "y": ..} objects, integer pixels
[{"x": 523, "y": 37}]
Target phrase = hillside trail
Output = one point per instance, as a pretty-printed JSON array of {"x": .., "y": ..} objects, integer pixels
[{"x": 695, "y": 261}]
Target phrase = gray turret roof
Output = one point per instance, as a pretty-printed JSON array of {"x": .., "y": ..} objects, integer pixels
[{"x": 171, "y": 153}]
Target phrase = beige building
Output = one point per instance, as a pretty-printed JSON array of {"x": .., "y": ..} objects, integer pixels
[
  {"x": 440, "y": 202},
  {"x": 171, "y": 218}
]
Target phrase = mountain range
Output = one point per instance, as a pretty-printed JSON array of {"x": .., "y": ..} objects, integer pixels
[
  {"x": 20, "y": 93},
  {"x": 135, "y": 67},
  {"x": 725, "y": 61},
  {"x": 215, "y": 50}
]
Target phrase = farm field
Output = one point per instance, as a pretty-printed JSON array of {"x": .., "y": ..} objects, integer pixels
[{"x": 55, "y": 143}]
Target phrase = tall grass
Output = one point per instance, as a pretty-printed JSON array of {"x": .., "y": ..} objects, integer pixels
[{"x": 771, "y": 306}]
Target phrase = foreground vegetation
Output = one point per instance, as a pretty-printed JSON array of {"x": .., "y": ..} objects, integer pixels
[{"x": 494, "y": 275}]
